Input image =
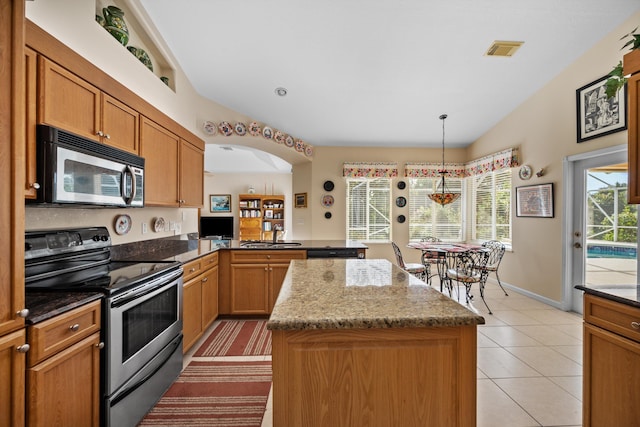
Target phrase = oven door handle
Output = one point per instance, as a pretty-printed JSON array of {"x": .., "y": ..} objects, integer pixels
[
  {"x": 157, "y": 284},
  {"x": 144, "y": 379}
]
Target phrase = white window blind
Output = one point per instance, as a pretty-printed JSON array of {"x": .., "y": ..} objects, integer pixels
[
  {"x": 369, "y": 209},
  {"x": 492, "y": 206},
  {"x": 427, "y": 218}
]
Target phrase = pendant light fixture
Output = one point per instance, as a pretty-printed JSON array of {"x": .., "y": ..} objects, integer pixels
[{"x": 443, "y": 197}]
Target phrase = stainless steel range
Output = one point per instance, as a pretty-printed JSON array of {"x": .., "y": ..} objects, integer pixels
[{"x": 142, "y": 313}]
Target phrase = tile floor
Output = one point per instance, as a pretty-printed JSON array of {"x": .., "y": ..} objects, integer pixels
[{"x": 529, "y": 363}]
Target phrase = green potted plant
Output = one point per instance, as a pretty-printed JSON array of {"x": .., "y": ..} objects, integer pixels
[{"x": 617, "y": 79}]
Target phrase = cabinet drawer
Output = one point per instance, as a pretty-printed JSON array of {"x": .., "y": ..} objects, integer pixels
[
  {"x": 267, "y": 256},
  {"x": 191, "y": 269},
  {"x": 210, "y": 260},
  {"x": 250, "y": 222},
  {"x": 58, "y": 333},
  {"x": 612, "y": 316}
]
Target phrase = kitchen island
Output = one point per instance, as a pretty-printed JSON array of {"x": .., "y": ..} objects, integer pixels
[{"x": 362, "y": 343}]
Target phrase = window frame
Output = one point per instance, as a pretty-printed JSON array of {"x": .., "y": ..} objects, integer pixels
[
  {"x": 369, "y": 232},
  {"x": 460, "y": 205},
  {"x": 494, "y": 226}
]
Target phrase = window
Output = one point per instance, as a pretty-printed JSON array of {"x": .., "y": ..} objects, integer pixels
[
  {"x": 369, "y": 209},
  {"x": 492, "y": 206},
  {"x": 427, "y": 218}
]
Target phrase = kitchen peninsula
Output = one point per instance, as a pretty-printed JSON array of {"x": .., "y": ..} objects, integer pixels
[{"x": 360, "y": 342}]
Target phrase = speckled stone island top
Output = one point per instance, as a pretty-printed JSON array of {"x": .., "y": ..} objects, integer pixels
[{"x": 361, "y": 293}]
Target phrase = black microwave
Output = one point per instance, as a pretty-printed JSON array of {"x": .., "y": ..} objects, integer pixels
[{"x": 75, "y": 170}]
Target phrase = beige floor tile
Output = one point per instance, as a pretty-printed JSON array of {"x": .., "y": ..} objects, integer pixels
[
  {"x": 572, "y": 330},
  {"x": 546, "y": 361},
  {"x": 571, "y": 384},
  {"x": 515, "y": 317},
  {"x": 499, "y": 363},
  {"x": 485, "y": 341},
  {"x": 548, "y": 335},
  {"x": 508, "y": 336},
  {"x": 545, "y": 401},
  {"x": 573, "y": 352},
  {"x": 496, "y": 408},
  {"x": 491, "y": 320},
  {"x": 267, "y": 420},
  {"x": 554, "y": 317}
]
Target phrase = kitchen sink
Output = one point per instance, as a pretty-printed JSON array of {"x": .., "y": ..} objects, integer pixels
[{"x": 268, "y": 244}]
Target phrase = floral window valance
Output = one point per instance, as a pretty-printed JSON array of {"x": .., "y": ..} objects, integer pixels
[
  {"x": 501, "y": 160},
  {"x": 432, "y": 170},
  {"x": 370, "y": 170}
]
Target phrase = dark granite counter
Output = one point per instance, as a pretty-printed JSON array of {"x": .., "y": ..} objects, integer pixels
[
  {"x": 628, "y": 295},
  {"x": 45, "y": 305}
]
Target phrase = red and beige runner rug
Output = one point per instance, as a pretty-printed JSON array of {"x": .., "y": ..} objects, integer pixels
[
  {"x": 237, "y": 338},
  {"x": 215, "y": 394}
]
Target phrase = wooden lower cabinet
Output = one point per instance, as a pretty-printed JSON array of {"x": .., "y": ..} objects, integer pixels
[
  {"x": 12, "y": 385},
  {"x": 409, "y": 377},
  {"x": 199, "y": 298},
  {"x": 611, "y": 376},
  {"x": 63, "y": 370},
  {"x": 255, "y": 279}
]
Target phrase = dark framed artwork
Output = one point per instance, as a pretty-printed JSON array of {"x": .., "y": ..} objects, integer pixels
[
  {"x": 300, "y": 200},
  {"x": 598, "y": 115},
  {"x": 535, "y": 201},
  {"x": 220, "y": 202}
]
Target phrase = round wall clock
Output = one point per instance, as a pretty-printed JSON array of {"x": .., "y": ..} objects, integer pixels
[
  {"x": 525, "y": 172},
  {"x": 122, "y": 224},
  {"x": 401, "y": 202}
]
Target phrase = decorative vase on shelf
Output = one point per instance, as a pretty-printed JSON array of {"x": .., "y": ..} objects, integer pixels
[{"x": 115, "y": 25}]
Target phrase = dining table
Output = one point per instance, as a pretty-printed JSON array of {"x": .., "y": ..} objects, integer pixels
[{"x": 436, "y": 253}]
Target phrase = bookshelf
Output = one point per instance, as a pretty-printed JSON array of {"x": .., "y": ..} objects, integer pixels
[{"x": 259, "y": 215}]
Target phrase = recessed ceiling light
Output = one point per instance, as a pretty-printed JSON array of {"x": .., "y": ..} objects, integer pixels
[{"x": 281, "y": 91}]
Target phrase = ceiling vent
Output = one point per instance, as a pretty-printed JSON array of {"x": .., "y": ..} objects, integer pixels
[{"x": 503, "y": 48}]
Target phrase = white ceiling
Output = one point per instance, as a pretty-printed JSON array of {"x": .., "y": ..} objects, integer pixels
[{"x": 378, "y": 72}]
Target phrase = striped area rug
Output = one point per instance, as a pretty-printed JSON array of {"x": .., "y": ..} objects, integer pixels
[
  {"x": 215, "y": 394},
  {"x": 237, "y": 338}
]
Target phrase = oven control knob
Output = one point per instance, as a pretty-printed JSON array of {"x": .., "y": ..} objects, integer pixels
[
  {"x": 104, "y": 238},
  {"x": 96, "y": 238}
]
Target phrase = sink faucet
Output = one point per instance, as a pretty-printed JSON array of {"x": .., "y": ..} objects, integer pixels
[{"x": 275, "y": 236}]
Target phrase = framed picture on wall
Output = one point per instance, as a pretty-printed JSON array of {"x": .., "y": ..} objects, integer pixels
[
  {"x": 300, "y": 200},
  {"x": 535, "y": 201},
  {"x": 597, "y": 114},
  {"x": 220, "y": 202}
]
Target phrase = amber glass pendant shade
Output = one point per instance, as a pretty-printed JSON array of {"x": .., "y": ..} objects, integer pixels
[{"x": 444, "y": 197}]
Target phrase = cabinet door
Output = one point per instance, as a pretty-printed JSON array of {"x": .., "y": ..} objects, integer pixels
[
  {"x": 12, "y": 364},
  {"x": 159, "y": 147},
  {"x": 191, "y": 312},
  {"x": 67, "y": 101},
  {"x": 249, "y": 289},
  {"x": 119, "y": 125},
  {"x": 31, "y": 80},
  {"x": 64, "y": 390},
  {"x": 611, "y": 379},
  {"x": 191, "y": 175},
  {"x": 276, "y": 277},
  {"x": 209, "y": 297},
  {"x": 633, "y": 126}
]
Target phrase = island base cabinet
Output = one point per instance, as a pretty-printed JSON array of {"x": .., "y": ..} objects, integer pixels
[
  {"x": 406, "y": 377},
  {"x": 64, "y": 390}
]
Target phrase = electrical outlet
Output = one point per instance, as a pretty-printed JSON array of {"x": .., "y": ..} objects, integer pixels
[
  {"x": 178, "y": 227},
  {"x": 172, "y": 225},
  {"x": 144, "y": 228}
]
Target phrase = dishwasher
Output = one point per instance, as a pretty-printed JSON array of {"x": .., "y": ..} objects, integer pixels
[{"x": 334, "y": 253}]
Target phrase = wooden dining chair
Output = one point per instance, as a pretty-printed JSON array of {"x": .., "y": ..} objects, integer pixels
[
  {"x": 418, "y": 270},
  {"x": 495, "y": 256},
  {"x": 467, "y": 268}
]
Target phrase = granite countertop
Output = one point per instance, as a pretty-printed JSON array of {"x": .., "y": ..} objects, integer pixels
[
  {"x": 45, "y": 305},
  {"x": 624, "y": 294},
  {"x": 361, "y": 293}
]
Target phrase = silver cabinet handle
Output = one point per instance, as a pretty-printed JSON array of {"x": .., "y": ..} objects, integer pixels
[
  {"x": 35, "y": 185},
  {"x": 74, "y": 328},
  {"x": 106, "y": 135},
  {"x": 635, "y": 325},
  {"x": 192, "y": 269},
  {"x": 100, "y": 345},
  {"x": 23, "y": 348},
  {"x": 205, "y": 279},
  {"x": 23, "y": 313},
  {"x": 100, "y": 133}
]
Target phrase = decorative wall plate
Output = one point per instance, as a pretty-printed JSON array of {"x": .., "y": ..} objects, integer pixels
[
  {"x": 209, "y": 127},
  {"x": 401, "y": 219},
  {"x": 158, "y": 224},
  {"x": 402, "y": 185},
  {"x": 267, "y": 132},
  {"x": 327, "y": 200},
  {"x": 225, "y": 128},
  {"x": 328, "y": 186},
  {"x": 254, "y": 129},
  {"x": 525, "y": 172},
  {"x": 327, "y": 215},
  {"x": 401, "y": 202},
  {"x": 240, "y": 129},
  {"x": 122, "y": 224}
]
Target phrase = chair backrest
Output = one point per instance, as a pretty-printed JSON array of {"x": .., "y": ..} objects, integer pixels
[
  {"x": 430, "y": 239},
  {"x": 398, "y": 254},
  {"x": 497, "y": 251}
]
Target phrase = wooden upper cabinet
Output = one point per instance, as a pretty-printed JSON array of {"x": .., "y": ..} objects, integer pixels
[
  {"x": 160, "y": 149},
  {"x": 31, "y": 100},
  {"x": 120, "y": 125},
  {"x": 66, "y": 101},
  {"x": 632, "y": 66},
  {"x": 70, "y": 103},
  {"x": 191, "y": 175}
]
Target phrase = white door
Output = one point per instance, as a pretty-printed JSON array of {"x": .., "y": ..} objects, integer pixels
[{"x": 603, "y": 227}]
